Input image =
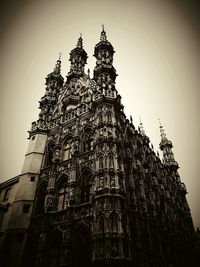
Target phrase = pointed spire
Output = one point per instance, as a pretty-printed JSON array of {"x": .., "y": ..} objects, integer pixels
[
  {"x": 104, "y": 52},
  {"x": 141, "y": 128},
  {"x": 78, "y": 59},
  {"x": 162, "y": 132},
  {"x": 152, "y": 147},
  {"x": 57, "y": 68},
  {"x": 103, "y": 37},
  {"x": 166, "y": 147},
  {"x": 131, "y": 119},
  {"x": 80, "y": 42}
]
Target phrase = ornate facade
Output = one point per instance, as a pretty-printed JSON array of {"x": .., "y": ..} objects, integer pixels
[{"x": 92, "y": 190}]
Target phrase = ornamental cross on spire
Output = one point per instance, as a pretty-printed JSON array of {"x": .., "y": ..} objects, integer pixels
[{"x": 103, "y": 37}]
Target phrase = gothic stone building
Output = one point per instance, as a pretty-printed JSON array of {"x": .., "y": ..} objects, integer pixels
[{"x": 92, "y": 190}]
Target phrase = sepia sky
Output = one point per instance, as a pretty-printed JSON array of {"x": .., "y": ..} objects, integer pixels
[{"x": 157, "y": 44}]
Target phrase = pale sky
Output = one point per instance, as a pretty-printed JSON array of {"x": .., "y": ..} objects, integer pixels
[{"x": 157, "y": 44}]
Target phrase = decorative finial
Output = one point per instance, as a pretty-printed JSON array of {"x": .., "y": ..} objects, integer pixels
[
  {"x": 57, "y": 68},
  {"x": 60, "y": 56},
  {"x": 103, "y": 37},
  {"x": 162, "y": 132},
  {"x": 141, "y": 127},
  {"x": 80, "y": 41}
]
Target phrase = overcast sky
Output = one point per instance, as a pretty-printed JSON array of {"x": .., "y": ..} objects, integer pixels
[{"x": 157, "y": 44}]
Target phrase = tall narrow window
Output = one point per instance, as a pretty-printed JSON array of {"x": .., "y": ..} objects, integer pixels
[
  {"x": 40, "y": 199},
  {"x": 109, "y": 118},
  {"x": 89, "y": 144},
  {"x": 111, "y": 161},
  {"x": 100, "y": 119},
  {"x": 84, "y": 186},
  {"x": 62, "y": 195},
  {"x": 101, "y": 225},
  {"x": 86, "y": 140},
  {"x": 67, "y": 151},
  {"x": 49, "y": 154},
  {"x": 101, "y": 163},
  {"x": 85, "y": 193},
  {"x": 114, "y": 224}
]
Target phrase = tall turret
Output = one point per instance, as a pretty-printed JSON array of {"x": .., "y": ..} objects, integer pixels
[
  {"x": 54, "y": 80},
  {"x": 78, "y": 59},
  {"x": 104, "y": 52},
  {"x": 166, "y": 147},
  {"x": 104, "y": 72}
]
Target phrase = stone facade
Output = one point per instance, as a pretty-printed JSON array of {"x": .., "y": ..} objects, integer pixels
[{"x": 101, "y": 196}]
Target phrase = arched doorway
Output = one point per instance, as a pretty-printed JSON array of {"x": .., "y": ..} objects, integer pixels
[
  {"x": 81, "y": 247},
  {"x": 54, "y": 249}
]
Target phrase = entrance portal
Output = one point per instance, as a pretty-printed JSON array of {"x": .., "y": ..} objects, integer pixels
[{"x": 81, "y": 250}]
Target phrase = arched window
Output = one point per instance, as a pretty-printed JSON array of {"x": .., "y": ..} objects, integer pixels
[
  {"x": 89, "y": 144},
  {"x": 114, "y": 223},
  {"x": 87, "y": 141},
  {"x": 100, "y": 119},
  {"x": 84, "y": 188},
  {"x": 67, "y": 150},
  {"x": 49, "y": 155},
  {"x": 101, "y": 225},
  {"x": 101, "y": 163},
  {"x": 40, "y": 200},
  {"x": 62, "y": 194},
  {"x": 85, "y": 193}
]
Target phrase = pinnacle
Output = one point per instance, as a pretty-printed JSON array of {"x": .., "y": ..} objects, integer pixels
[
  {"x": 103, "y": 37},
  {"x": 80, "y": 42},
  {"x": 57, "y": 68}
]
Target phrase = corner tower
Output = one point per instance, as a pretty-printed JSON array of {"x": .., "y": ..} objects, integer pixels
[
  {"x": 22, "y": 206},
  {"x": 78, "y": 59},
  {"x": 166, "y": 147},
  {"x": 104, "y": 70}
]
